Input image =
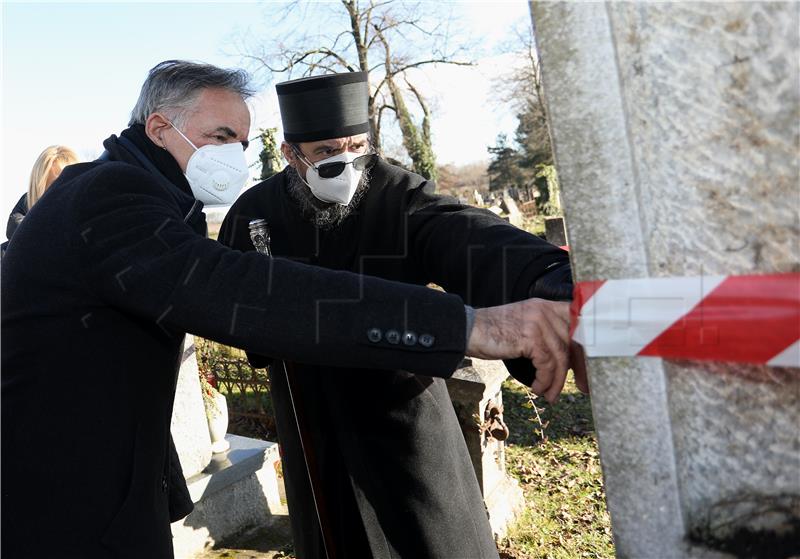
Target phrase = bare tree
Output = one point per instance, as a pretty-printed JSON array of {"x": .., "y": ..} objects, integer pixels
[
  {"x": 533, "y": 154},
  {"x": 522, "y": 87},
  {"x": 387, "y": 39}
]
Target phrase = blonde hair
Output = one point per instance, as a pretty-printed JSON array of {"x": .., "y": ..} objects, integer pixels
[{"x": 40, "y": 174}]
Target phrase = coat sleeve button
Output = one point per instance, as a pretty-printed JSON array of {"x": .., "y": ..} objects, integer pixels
[
  {"x": 426, "y": 340},
  {"x": 374, "y": 335},
  {"x": 393, "y": 336},
  {"x": 409, "y": 338}
]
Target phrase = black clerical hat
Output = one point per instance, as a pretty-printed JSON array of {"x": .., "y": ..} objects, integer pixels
[{"x": 324, "y": 107}]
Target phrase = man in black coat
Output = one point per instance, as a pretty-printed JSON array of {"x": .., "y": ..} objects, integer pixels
[
  {"x": 393, "y": 475},
  {"x": 111, "y": 268}
]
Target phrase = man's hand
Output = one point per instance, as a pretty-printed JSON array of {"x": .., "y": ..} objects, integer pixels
[{"x": 537, "y": 330}]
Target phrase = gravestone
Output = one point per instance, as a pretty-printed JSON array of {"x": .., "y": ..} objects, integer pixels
[
  {"x": 676, "y": 132},
  {"x": 233, "y": 491},
  {"x": 189, "y": 425},
  {"x": 554, "y": 231},
  {"x": 512, "y": 213},
  {"x": 475, "y": 392}
]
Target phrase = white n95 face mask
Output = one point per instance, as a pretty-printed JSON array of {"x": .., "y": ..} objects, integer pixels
[
  {"x": 339, "y": 189},
  {"x": 216, "y": 173}
]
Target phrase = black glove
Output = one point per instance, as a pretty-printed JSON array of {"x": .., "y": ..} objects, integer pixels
[{"x": 556, "y": 285}]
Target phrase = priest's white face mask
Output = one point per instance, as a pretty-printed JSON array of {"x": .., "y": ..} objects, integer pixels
[{"x": 335, "y": 179}]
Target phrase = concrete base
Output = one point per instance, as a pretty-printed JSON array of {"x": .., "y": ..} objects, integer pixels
[
  {"x": 238, "y": 492},
  {"x": 504, "y": 504}
]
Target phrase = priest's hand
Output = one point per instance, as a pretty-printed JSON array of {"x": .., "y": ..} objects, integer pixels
[{"x": 535, "y": 329}]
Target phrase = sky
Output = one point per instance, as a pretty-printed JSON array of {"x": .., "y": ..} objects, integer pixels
[{"x": 70, "y": 73}]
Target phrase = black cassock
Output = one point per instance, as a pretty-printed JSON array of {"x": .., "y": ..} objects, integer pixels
[{"x": 395, "y": 473}]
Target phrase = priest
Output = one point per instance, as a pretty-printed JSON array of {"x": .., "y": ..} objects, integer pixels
[{"x": 375, "y": 462}]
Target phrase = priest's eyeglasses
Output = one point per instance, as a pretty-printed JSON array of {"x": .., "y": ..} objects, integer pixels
[{"x": 330, "y": 170}]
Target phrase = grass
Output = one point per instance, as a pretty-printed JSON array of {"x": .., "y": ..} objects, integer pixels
[
  {"x": 552, "y": 451},
  {"x": 534, "y": 224}
]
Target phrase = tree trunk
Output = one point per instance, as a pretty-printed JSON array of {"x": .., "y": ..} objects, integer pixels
[{"x": 417, "y": 145}]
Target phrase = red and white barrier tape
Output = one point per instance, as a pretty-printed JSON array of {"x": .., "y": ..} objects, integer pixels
[{"x": 743, "y": 319}]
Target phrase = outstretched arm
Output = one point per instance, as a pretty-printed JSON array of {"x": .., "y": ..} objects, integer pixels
[{"x": 143, "y": 259}]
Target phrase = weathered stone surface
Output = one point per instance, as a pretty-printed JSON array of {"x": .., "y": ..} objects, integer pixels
[
  {"x": 512, "y": 213},
  {"x": 239, "y": 492},
  {"x": 472, "y": 388},
  {"x": 236, "y": 491},
  {"x": 189, "y": 424},
  {"x": 675, "y": 127}
]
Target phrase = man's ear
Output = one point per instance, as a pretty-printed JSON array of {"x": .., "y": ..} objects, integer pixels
[
  {"x": 289, "y": 154},
  {"x": 155, "y": 126}
]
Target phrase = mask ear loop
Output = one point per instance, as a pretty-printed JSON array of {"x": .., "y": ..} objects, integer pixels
[
  {"x": 303, "y": 158},
  {"x": 308, "y": 163},
  {"x": 182, "y": 136}
]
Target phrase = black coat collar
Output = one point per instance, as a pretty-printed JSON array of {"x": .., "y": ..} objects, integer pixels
[{"x": 135, "y": 148}]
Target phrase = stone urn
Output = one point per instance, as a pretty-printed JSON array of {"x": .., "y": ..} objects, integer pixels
[{"x": 217, "y": 415}]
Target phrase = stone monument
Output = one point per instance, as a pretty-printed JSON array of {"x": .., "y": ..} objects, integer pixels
[
  {"x": 676, "y": 132},
  {"x": 478, "y": 401},
  {"x": 511, "y": 211},
  {"x": 189, "y": 428},
  {"x": 233, "y": 491}
]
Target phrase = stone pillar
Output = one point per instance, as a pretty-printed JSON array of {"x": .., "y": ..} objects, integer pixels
[
  {"x": 189, "y": 424},
  {"x": 675, "y": 127},
  {"x": 474, "y": 389}
]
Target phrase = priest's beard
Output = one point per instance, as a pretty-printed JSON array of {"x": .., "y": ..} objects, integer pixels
[{"x": 322, "y": 214}]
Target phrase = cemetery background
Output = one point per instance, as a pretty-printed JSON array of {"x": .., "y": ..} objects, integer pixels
[
  {"x": 552, "y": 450},
  {"x": 674, "y": 210},
  {"x": 563, "y": 513},
  {"x": 683, "y": 163}
]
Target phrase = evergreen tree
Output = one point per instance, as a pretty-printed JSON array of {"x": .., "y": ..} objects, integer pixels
[
  {"x": 533, "y": 136},
  {"x": 270, "y": 155},
  {"x": 504, "y": 171},
  {"x": 523, "y": 89}
]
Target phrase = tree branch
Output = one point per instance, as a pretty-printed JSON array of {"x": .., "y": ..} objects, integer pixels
[
  {"x": 426, "y": 118},
  {"x": 431, "y": 61},
  {"x": 300, "y": 57},
  {"x": 419, "y": 97}
]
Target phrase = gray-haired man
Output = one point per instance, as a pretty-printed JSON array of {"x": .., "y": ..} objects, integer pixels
[{"x": 112, "y": 267}]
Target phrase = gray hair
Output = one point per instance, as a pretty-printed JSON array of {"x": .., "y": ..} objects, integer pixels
[{"x": 173, "y": 85}]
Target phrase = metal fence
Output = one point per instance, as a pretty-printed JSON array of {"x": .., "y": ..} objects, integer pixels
[{"x": 246, "y": 389}]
